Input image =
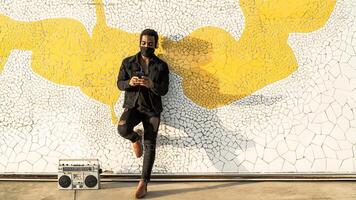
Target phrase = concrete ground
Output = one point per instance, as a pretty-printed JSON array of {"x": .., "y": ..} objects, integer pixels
[{"x": 11, "y": 190}]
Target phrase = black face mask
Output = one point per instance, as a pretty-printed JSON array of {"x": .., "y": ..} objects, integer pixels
[{"x": 147, "y": 51}]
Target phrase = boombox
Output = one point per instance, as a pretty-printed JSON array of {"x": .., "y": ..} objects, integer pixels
[{"x": 79, "y": 174}]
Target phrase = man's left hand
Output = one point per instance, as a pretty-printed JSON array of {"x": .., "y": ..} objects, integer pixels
[{"x": 145, "y": 81}]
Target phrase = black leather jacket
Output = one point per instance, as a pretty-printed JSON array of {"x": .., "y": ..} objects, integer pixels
[{"x": 158, "y": 72}]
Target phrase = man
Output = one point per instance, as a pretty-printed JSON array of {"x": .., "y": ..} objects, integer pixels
[{"x": 144, "y": 78}]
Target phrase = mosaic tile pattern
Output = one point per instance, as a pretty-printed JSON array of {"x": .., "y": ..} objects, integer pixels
[{"x": 304, "y": 123}]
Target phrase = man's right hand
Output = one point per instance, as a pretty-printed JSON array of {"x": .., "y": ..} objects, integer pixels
[{"x": 134, "y": 81}]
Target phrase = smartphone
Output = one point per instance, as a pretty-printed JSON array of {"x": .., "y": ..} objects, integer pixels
[{"x": 139, "y": 74}]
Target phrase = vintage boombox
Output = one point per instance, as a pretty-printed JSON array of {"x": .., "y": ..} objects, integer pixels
[{"x": 79, "y": 174}]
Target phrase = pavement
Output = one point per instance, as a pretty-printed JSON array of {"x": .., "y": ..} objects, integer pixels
[{"x": 268, "y": 190}]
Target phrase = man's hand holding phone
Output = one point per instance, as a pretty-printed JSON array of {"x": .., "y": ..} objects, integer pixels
[
  {"x": 143, "y": 81},
  {"x": 134, "y": 81}
]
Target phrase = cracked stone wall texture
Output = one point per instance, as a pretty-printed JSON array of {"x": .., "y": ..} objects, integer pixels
[{"x": 301, "y": 120}]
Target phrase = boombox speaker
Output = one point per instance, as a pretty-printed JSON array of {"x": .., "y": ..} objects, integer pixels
[{"x": 79, "y": 174}]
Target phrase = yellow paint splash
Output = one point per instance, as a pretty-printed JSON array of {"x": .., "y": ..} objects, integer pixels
[
  {"x": 64, "y": 53},
  {"x": 216, "y": 69},
  {"x": 230, "y": 69}
]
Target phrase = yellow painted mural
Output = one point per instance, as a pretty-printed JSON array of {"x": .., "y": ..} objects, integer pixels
[
  {"x": 230, "y": 69},
  {"x": 216, "y": 68}
]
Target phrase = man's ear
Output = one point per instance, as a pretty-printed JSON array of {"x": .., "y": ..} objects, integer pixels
[{"x": 156, "y": 45}]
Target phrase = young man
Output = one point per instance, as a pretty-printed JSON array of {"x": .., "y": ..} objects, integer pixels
[{"x": 144, "y": 78}]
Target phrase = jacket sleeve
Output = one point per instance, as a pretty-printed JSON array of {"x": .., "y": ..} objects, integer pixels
[
  {"x": 123, "y": 78},
  {"x": 161, "y": 88}
]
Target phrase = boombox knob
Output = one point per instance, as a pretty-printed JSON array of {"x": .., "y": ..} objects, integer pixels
[
  {"x": 90, "y": 181},
  {"x": 64, "y": 181}
]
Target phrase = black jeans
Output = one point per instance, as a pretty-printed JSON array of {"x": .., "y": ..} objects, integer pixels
[{"x": 150, "y": 120}]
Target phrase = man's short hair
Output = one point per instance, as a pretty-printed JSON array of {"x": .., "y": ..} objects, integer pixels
[{"x": 150, "y": 32}]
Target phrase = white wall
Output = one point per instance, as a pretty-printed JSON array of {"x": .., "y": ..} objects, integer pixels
[{"x": 304, "y": 123}]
